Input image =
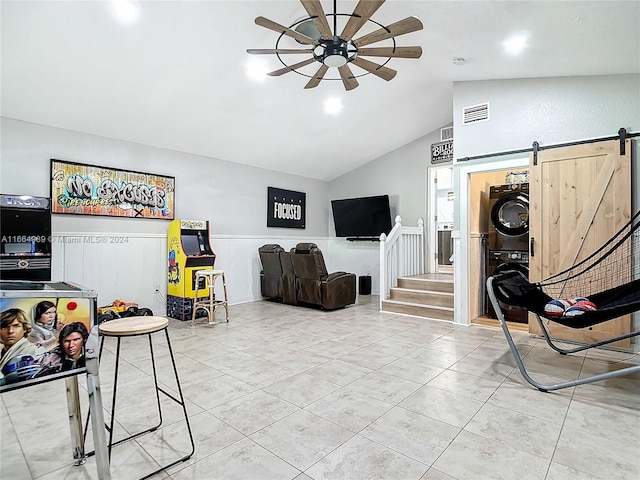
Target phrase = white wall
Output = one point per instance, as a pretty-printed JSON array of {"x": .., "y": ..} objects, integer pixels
[
  {"x": 546, "y": 110},
  {"x": 232, "y": 197},
  {"x": 134, "y": 269},
  {"x": 401, "y": 174}
]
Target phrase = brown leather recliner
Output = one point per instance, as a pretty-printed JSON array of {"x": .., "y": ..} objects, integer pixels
[
  {"x": 317, "y": 287},
  {"x": 271, "y": 274}
]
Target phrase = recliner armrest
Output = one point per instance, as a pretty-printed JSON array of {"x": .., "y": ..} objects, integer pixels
[
  {"x": 334, "y": 275},
  {"x": 338, "y": 290}
]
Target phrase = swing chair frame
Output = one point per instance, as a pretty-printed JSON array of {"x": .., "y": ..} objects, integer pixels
[{"x": 563, "y": 351}]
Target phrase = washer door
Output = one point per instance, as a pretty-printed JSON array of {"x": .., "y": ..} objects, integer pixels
[
  {"x": 509, "y": 267},
  {"x": 510, "y": 214}
]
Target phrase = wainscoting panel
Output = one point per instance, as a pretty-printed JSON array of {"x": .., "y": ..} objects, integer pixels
[{"x": 131, "y": 266}]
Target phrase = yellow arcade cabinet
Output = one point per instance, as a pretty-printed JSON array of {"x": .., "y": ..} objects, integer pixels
[{"x": 188, "y": 251}]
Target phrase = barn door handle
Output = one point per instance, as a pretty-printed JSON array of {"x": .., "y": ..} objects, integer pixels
[{"x": 531, "y": 247}]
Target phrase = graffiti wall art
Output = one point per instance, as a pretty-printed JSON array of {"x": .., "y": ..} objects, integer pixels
[{"x": 81, "y": 189}]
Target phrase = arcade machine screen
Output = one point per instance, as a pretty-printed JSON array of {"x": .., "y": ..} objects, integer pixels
[
  {"x": 190, "y": 244},
  {"x": 25, "y": 231}
]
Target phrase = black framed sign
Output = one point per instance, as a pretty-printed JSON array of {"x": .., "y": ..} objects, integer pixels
[
  {"x": 442, "y": 152},
  {"x": 285, "y": 208}
]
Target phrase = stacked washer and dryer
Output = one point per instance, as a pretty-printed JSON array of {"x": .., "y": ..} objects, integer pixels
[{"x": 508, "y": 242}]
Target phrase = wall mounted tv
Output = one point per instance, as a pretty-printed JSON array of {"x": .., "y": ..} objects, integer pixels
[{"x": 363, "y": 218}]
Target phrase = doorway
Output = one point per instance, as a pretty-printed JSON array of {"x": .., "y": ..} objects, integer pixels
[
  {"x": 441, "y": 202},
  {"x": 468, "y": 239}
]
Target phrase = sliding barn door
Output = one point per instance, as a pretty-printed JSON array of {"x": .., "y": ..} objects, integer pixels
[{"x": 579, "y": 197}]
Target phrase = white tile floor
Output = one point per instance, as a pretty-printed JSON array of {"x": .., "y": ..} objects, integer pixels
[{"x": 285, "y": 392}]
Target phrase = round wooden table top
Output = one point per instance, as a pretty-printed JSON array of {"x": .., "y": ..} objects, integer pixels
[{"x": 122, "y": 327}]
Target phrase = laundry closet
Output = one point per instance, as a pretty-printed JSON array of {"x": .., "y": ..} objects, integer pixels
[
  {"x": 579, "y": 196},
  {"x": 499, "y": 237}
]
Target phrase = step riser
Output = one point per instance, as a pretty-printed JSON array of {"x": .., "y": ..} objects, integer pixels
[
  {"x": 424, "y": 298},
  {"x": 446, "y": 287},
  {"x": 418, "y": 310}
]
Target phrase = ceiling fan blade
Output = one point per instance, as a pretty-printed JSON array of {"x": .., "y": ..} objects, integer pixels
[
  {"x": 267, "y": 51},
  {"x": 361, "y": 15},
  {"x": 314, "y": 9},
  {"x": 348, "y": 79},
  {"x": 383, "y": 72},
  {"x": 402, "y": 27},
  {"x": 276, "y": 27},
  {"x": 398, "y": 52},
  {"x": 291, "y": 68},
  {"x": 315, "y": 80}
]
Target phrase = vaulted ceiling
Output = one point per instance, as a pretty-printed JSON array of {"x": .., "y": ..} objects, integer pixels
[{"x": 177, "y": 77}]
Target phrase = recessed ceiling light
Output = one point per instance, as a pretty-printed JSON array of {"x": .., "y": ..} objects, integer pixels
[
  {"x": 126, "y": 12},
  {"x": 257, "y": 69},
  {"x": 515, "y": 44},
  {"x": 332, "y": 106}
]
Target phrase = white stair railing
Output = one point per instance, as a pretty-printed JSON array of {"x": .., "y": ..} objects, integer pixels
[{"x": 401, "y": 255}]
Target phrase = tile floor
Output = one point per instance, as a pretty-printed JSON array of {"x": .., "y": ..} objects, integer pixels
[{"x": 286, "y": 392}]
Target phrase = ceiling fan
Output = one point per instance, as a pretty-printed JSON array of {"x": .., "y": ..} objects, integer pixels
[{"x": 333, "y": 50}]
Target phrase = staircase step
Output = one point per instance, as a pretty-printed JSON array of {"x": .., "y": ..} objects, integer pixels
[
  {"x": 424, "y": 297},
  {"x": 418, "y": 310},
  {"x": 426, "y": 284}
]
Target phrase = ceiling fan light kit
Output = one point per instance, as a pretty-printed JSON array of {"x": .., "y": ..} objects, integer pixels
[
  {"x": 334, "y": 53},
  {"x": 337, "y": 50}
]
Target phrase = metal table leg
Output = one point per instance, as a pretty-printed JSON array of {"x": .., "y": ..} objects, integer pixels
[
  {"x": 95, "y": 405},
  {"x": 75, "y": 419}
]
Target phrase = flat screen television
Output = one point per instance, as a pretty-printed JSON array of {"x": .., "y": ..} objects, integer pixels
[{"x": 362, "y": 217}]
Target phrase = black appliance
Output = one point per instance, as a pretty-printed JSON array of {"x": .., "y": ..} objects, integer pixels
[
  {"x": 364, "y": 285},
  {"x": 445, "y": 245},
  {"x": 362, "y": 218},
  {"x": 501, "y": 261},
  {"x": 25, "y": 228},
  {"x": 509, "y": 217}
]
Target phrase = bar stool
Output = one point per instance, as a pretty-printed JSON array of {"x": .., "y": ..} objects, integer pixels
[
  {"x": 137, "y": 326},
  {"x": 209, "y": 303}
]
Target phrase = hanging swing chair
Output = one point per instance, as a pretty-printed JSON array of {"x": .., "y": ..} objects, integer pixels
[{"x": 600, "y": 288}]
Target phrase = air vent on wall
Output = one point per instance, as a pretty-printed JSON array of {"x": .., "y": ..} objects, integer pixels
[
  {"x": 475, "y": 114},
  {"x": 446, "y": 134}
]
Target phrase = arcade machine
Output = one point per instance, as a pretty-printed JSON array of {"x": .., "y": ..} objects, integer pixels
[
  {"x": 25, "y": 228},
  {"x": 188, "y": 251}
]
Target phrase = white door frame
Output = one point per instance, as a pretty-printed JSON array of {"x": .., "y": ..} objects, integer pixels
[
  {"x": 430, "y": 223},
  {"x": 432, "y": 211},
  {"x": 460, "y": 235}
]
